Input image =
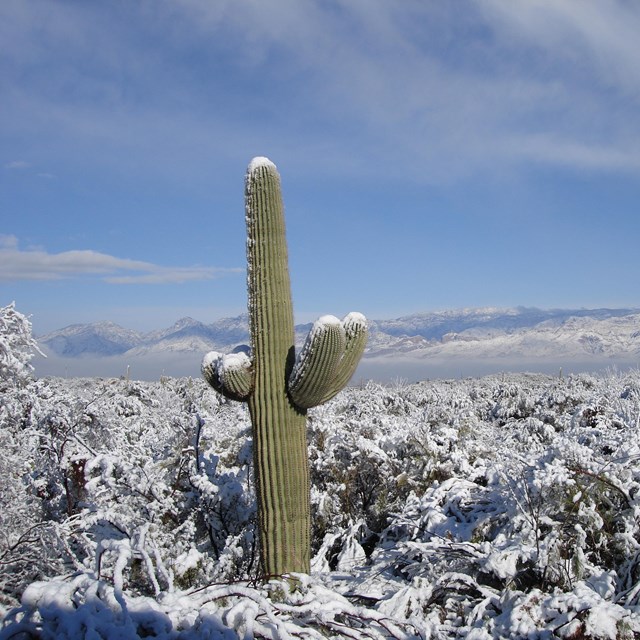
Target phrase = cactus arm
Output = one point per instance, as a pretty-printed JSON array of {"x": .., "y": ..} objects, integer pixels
[
  {"x": 210, "y": 372},
  {"x": 328, "y": 359},
  {"x": 279, "y": 427},
  {"x": 230, "y": 374},
  {"x": 356, "y": 333},
  {"x": 317, "y": 362}
]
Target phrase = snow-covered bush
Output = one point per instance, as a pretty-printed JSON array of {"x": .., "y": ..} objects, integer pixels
[
  {"x": 145, "y": 481},
  {"x": 22, "y": 528},
  {"x": 17, "y": 348},
  {"x": 500, "y": 507}
]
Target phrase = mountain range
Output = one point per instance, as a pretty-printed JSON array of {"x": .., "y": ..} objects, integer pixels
[{"x": 517, "y": 333}]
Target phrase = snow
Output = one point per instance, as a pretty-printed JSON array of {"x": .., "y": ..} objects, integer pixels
[
  {"x": 473, "y": 342},
  {"x": 235, "y": 361},
  {"x": 354, "y": 317},
  {"x": 186, "y": 561},
  {"x": 259, "y": 162},
  {"x": 488, "y": 508},
  {"x": 326, "y": 320},
  {"x": 211, "y": 358}
]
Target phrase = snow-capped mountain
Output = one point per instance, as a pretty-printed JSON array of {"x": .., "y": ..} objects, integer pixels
[
  {"x": 511, "y": 333},
  {"x": 434, "y": 326},
  {"x": 110, "y": 339},
  {"x": 474, "y": 333},
  {"x": 99, "y": 338},
  {"x": 222, "y": 332}
]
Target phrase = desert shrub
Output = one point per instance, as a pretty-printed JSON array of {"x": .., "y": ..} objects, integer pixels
[{"x": 497, "y": 507}]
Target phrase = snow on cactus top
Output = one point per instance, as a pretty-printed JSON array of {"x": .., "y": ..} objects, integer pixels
[
  {"x": 259, "y": 161},
  {"x": 325, "y": 321},
  {"x": 234, "y": 362},
  {"x": 210, "y": 358},
  {"x": 354, "y": 318}
]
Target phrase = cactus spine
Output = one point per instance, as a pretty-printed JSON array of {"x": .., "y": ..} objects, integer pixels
[{"x": 278, "y": 387}]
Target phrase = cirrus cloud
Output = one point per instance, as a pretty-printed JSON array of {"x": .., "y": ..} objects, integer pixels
[
  {"x": 16, "y": 164},
  {"x": 37, "y": 264}
]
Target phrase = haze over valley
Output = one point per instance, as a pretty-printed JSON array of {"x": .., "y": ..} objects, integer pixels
[{"x": 453, "y": 343}]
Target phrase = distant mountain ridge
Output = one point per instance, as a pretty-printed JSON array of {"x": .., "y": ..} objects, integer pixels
[
  {"x": 475, "y": 333},
  {"x": 100, "y": 338},
  {"x": 435, "y": 325}
]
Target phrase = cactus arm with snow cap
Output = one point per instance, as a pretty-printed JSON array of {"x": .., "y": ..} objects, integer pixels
[{"x": 278, "y": 387}]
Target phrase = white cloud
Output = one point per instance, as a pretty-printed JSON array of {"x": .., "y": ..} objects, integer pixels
[
  {"x": 16, "y": 264},
  {"x": 428, "y": 90},
  {"x": 17, "y": 164},
  {"x": 366, "y": 86},
  {"x": 8, "y": 242},
  {"x": 552, "y": 150},
  {"x": 600, "y": 36}
]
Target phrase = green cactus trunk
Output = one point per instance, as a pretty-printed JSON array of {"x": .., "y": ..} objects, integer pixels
[
  {"x": 279, "y": 427},
  {"x": 279, "y": 386}
]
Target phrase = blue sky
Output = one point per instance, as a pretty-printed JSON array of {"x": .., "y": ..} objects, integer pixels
[{"x": 433, "y": 154}]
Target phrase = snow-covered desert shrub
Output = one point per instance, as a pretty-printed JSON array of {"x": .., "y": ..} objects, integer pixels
[
  {"x": 24, "y": 533},
  {"x": 17, "y": 348},
  {"x": 125, "y": 478},
  {"x": 500, "y": 507}
]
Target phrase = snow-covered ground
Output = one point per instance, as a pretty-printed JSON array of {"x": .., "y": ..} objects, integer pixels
[{"x": 498, "y": 507}]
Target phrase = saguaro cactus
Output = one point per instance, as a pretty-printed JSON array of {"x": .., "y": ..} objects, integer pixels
[{"x": 278, "y": 386}]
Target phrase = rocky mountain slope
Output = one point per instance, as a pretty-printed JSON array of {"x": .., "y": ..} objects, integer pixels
[{"x": 477, "y": 333}]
